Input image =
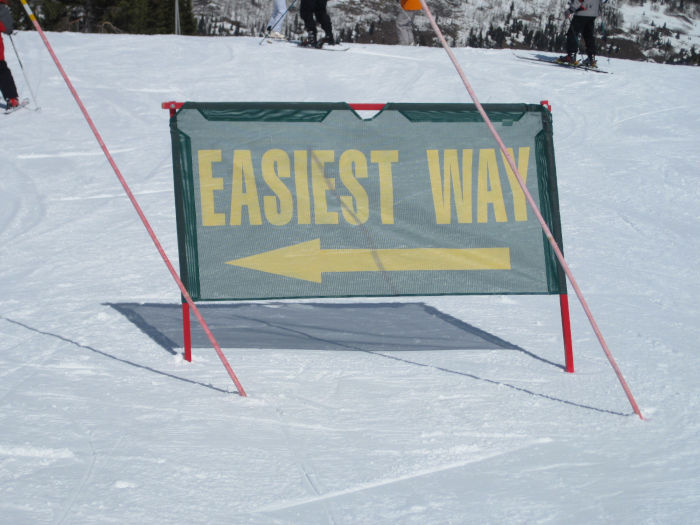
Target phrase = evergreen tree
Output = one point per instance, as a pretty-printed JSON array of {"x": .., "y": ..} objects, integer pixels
[
  {"x": 54, "y": 14},
  {"x": 129, "y": 16},
  {"x": 188, "y": 23}
]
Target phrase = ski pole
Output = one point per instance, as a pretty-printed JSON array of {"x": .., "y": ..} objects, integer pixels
[
  {"x": 24, "y": 73},
  {"x": 267, "y": 33}
]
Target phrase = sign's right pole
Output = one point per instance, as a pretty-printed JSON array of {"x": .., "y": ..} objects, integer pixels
[
  {"x": 566, "y": 331},
  {"x": 533, "y": 205},
  {"x": 564, "y": 308}
]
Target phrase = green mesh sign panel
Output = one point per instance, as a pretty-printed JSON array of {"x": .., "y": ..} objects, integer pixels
[{"x": 278, "y": 200}]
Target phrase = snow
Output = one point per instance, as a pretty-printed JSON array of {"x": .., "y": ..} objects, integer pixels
[
  {"x": 101, "y": 423},
  {"x": 650, "y": 16}
]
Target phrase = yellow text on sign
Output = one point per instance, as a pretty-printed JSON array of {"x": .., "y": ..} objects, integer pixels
[
  {"x": 312, "y": 186},
  {"x": 472, "y": 179},
  {"x": 450, "y": 179}
]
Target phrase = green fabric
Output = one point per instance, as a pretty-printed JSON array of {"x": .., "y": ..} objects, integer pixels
[{"x": 416, "y": 200}]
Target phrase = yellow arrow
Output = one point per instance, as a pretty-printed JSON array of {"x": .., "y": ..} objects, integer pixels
[{"x": 308, "y": 261}]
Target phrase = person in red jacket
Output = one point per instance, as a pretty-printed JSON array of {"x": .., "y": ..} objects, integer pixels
[{"x": 7, "y": 83}]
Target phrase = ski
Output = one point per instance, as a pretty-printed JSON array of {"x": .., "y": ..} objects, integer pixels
[
  {"x": 6, "y": 111},
  {"x": 323, "y": 47},
  {"x": 543, "y": 59},
  {"x": 267, "y": 39},
  {"x": 298, "y": 43}
]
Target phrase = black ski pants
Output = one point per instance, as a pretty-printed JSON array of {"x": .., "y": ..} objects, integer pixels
[
  {"x": 581, "y": 25},
  {"x": 7, "y": 83},
  {"x": 314, "y": 12}
]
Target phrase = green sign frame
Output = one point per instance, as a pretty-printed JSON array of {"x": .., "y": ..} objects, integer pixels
[{"x": 293, "y": 200}]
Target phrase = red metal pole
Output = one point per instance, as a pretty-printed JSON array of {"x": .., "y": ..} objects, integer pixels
[
  {"x": 564, "y": 307},
  {"x": 566, "y": 331},
  {"x": 186, "y": 325},
  {"x": 133, "y": 200},
  {"x": 172, "y": 106},
  {"x": 186, "y": 332}
]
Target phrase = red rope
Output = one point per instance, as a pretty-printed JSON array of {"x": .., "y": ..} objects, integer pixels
[
  {"x": 135, "y": 203},
  {"x": 533, "y": 205}
]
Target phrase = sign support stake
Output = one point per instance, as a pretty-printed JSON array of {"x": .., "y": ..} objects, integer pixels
[
  {"x": 535, "y": 210},
  {"x": 566, "y": 331},
  {"x": 186, "y": 331},
  {"x": 132, "y": 198}
]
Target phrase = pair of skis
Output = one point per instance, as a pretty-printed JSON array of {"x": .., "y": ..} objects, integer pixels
[
  {"x": 298, "y": 43},
  {"x": 545, "y": 59}
]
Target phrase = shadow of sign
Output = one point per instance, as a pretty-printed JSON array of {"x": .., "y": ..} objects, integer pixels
[
  {"x": 314, "y": 326},
  {"x": 369, "y": 327}
]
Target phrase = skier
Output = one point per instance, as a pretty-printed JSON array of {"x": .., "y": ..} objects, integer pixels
[
  {"x": 404, "y": 27},
  {"x": 274, "y": 25},
  {"x": 405, "y": 17},
  {"x": 7, "y": 83},
  {"x": 313, "y": 12},
  {"x": 583, "y": 14}
]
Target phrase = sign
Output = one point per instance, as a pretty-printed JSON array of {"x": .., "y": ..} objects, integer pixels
[{"x": 282, "y": 200}]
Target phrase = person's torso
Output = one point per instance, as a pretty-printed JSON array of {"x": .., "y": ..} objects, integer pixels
[{"x": 589, "y": 8}]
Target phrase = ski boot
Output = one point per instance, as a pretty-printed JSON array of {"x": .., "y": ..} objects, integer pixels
[
  {"x": 326, "y": 40},
  {"x": 567, "y": 60},
  {"x": 309, "y": 41},
  {"x": 590, "y": 61}
]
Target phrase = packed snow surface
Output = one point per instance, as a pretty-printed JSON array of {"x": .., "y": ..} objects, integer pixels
[{"x": 103, "y": 422}]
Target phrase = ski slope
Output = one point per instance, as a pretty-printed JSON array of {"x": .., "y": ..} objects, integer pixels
[{"x": 349, "y": 419}]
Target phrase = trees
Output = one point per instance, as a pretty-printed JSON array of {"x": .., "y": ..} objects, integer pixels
[{"x": 127, "y": 16}]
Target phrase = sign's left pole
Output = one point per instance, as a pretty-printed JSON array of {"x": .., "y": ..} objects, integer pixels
[
  {"x": 134, "y": 202},
  {"x": 186, "y": 331},
  {"x": 186, "y": 326}
]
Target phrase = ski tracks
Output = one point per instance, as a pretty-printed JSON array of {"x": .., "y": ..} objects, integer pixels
[
  {"x": 305, "y": 465},
  {"x": 21, "y": 207},
  {"x": 397, "y": 479},
  {"x": 65, "y": 512},
  {"x": 37, "y": 458},
  {"x": 33, "y": 361}
]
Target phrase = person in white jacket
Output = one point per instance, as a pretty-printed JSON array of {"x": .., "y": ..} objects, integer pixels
[
  {"x": 583, "y": 14},
  {"x": 404, "y": 25},
  {"x": 274, "y": 25}
]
